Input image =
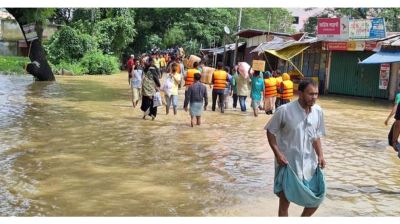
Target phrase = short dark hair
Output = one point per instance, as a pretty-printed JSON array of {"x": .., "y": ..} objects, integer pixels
[
  {"x": 195, "y": 64},
  {"x": 220, "y": 65},
  {"x": 227, "y": 68},
  {"x": 197, "y": 76},
  {"x": 305, "y": 83},
  {"x": 174, "y": 67}
]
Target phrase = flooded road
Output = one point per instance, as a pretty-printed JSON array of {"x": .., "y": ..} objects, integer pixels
[{"x": 76, "y": 147}]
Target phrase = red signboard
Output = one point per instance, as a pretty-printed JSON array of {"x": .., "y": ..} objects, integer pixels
[
  {"x": 328, "y": 26},
  {"x": 370, "y": 45},
  {"x": 336, "y": 46}
]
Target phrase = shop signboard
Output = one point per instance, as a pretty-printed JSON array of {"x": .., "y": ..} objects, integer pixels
[
  {"x": 258, "y": 65},
  {"x": 328, "y": 26},
  {"x": 336, "y": 46},
  {"x": 30, "y": 32},
  {"x": 377, "y": 28},
  {"x": 359, "y": 28},
  {"x": 384, "y": 76}
]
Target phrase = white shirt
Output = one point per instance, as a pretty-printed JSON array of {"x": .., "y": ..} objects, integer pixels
[
  {"x": 137, "y": 78},
  {"x": 295, "y": 132}
]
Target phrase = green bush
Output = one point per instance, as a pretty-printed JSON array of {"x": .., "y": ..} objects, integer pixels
[
  {"x": 12, "y": 64},
  {"x": 97, "y": 63},
  {"x": 69, "y": 45},
  {"x": 75, "y": 68}
]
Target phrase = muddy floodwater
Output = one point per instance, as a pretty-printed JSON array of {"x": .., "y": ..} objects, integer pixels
[{"x": 76, "y": 147}]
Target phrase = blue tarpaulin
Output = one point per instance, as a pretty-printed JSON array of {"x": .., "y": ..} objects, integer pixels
[{"x": 382, "y": 57}]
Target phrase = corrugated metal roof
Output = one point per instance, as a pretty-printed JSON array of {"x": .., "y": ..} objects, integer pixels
[
  {"x": 248, "y": 33},
  {"x": 279, "y": 44},
  {"x": 219, "y": 50},
  {"x": 382, "y": 57}
]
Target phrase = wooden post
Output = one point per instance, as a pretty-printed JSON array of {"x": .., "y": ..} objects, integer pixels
[
  {"x": 327, "y": 72},
  {"x": 301, "y": 62},
  {"x": 393, "y": 80}
]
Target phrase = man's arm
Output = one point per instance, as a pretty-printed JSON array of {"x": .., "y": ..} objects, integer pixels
[
  {"x": 187, "y": 98},
  {"x": 212, "y": 81},
  {"x": 396, "y": 129},
  {"x": 394, "y": 108},
  {"x": 205, "y": 98},
  {"x": 280, "y": 158},
  {"x": 155, "y": 78},
  {"x": 318, "y": 150},
  {"x": 396, "y": 132}
]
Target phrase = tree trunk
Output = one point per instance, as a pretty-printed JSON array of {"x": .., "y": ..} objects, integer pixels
[{"x": 39, "y": 67}]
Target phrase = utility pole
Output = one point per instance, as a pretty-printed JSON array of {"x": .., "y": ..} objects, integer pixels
[{"x": 237, "y": 37}]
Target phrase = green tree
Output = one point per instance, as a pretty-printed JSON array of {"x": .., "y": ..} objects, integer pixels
[
  {"x": 114, "y": 28},
  {"x": 273, "y": 19},
  {"x": 40, "y": 69},
  {"x": 179, "y": 26},
  {"x": 69, "y": 45},
  {"x": 174, "y": 36}
]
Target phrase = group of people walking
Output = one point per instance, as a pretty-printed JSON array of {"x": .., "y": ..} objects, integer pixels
[
  {"x": 274, "y": 89},
  {"x": 267, "y": 90},
  {"x": 297, "y": 148}
]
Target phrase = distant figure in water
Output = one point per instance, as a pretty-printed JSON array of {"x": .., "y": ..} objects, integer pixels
[
  {"x": 394, "y": 108},
  {"x": 150, "y": 86},
  {"x": 195, "y": 95}
]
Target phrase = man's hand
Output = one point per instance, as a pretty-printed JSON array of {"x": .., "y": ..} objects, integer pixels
[
  {"x": 186, "y": 109},
  {"x": 386, "y": 122},
  {"x": 321, "y": 162},
  {"x": 281, "y": 159}
]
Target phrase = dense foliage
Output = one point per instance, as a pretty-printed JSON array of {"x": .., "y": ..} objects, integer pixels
[
  {"x": 98, "y": 63},
  {"x": 120, "y": 31},
  {"x": 69, "y": 45},
  {"x": 272, "y": 19},
  {"x": 11, "y": 65}
]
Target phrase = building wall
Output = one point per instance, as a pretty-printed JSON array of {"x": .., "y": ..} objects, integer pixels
[
  {"x": 349, "y": 78},
  {"x": 8, "y": 48},
  {"x": 10, "y": 30},
  {"x": 255, "y": 41}
]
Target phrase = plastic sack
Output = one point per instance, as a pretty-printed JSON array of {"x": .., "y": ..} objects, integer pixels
[
  {"x": 243, "y": 69},
  {"x": 157, "y": 100},
  {"x": 167, "y": 86}
]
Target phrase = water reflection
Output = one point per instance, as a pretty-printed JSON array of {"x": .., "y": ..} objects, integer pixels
[{"x": 75, "y": 147}]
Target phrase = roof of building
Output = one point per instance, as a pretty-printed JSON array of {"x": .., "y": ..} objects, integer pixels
[
  {"x": 219, "y": 50},
  {"x": 248, "y": 33},
  {"x": 5, "y": 15},
  {"x": 279, "y": 44}
]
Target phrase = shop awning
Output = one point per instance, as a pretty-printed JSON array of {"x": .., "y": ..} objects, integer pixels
[
  {"x": 288, "y": 53},
  {"x": 382, "y": 57}
]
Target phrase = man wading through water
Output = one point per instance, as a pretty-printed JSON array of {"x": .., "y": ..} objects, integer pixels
[{"x": 294, "y": 133}]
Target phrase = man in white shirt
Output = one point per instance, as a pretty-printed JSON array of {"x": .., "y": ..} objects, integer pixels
[{"x": 294, "y": 134}]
